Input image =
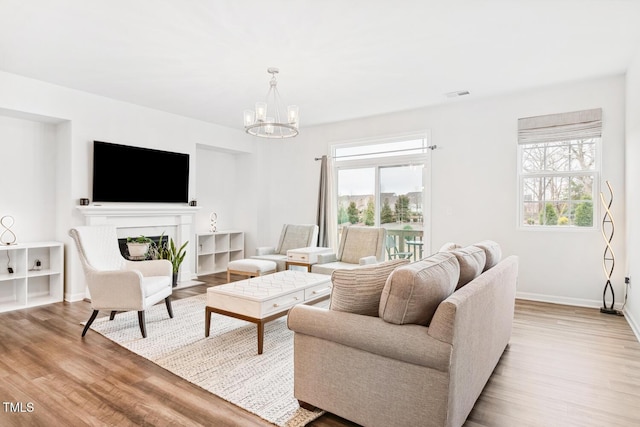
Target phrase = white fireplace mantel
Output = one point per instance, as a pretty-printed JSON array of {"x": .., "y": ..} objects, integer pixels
[
  {"x": 139, "y": 217},
  {"x": 135, "y": 210}
]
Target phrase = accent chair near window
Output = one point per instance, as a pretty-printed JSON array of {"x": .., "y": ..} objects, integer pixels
[
  {"x": 293, "y": 236},
  {"x": 358, "y": 246}
]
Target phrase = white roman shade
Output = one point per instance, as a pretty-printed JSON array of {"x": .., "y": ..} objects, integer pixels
[{"x": 560, "y": 127}]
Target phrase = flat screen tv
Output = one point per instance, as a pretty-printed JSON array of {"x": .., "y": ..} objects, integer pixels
[{"x": 122, "y": 173}]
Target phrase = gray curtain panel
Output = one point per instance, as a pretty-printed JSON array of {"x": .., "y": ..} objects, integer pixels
[{"x": 323, "y": 204}]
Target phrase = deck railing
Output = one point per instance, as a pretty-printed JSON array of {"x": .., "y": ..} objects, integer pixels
[{"x": 408, "y": 241}]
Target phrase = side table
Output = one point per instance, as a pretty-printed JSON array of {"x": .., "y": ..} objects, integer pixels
[
  {"x": 307, "y": 264},
  {"x": 305, "y": 257}
]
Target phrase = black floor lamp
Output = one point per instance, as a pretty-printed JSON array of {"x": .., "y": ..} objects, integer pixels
[{"x": 608, "y": 258}]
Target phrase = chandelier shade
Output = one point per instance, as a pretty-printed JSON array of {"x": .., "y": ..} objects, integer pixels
[{"x": 268, "y": 119}]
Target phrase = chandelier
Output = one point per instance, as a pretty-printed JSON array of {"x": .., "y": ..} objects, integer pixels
[{"x": 265, "y": 121}]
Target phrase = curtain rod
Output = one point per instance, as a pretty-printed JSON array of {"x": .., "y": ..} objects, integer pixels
[{"x": 430, "y": 147}]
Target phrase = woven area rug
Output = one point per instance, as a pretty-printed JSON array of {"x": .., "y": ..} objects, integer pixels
[{"x": 226, "y": 363}]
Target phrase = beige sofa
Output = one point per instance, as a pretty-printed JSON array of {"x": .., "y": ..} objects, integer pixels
[{"x": 390, "y": 370}]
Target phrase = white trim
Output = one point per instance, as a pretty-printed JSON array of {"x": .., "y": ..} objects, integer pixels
[
  {"x": 635, "y": 324},
  {"x": 74, "y": 297},
  {"x": 597, "y": 188},
  {"x": 554, "y": 299},
  {"x": 392, "y": 160}
]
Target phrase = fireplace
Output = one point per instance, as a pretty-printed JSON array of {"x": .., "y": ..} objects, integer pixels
[{"x": 135, "y": 220}]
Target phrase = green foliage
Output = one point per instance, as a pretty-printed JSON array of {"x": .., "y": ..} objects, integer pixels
[
  {"x": 352, "y": 213},
  {"x": 159, "y": 250},
  {"x": 550, "y": 215},
  {"x": 369, "y": 214},
  {"x": 169, "y": 251},
  {"x": 402, "y": 208},
  {"x": 584, "y": 214},
  {"x": 386, "y": 214},
  {"x": 342, "y": 215},
  {"x": 139, "y": 239},
  {"x": 176, "y": 256}
]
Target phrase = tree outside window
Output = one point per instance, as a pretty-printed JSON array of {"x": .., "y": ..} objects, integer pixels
[{"x": 558, "y": 183}]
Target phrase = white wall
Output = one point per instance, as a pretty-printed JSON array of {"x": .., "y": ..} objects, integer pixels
[
  {"x": 632, "y": 311},
  {"x": 28, "y": 178},
  {"x": 474, "y": 184},
  {"x": 215, "y": 179},
  {"x": 268, "y": 183},
  {"x": 77, "y": 119}
]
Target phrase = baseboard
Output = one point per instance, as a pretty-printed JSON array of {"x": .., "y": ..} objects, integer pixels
[
  {"x": 554, "y": 299},
  {"x": 74, "y": 297},
  {"x": 635, "y": 325}
]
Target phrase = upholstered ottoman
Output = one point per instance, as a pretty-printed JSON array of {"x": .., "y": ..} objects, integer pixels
[{"x": 250, "y": 267}]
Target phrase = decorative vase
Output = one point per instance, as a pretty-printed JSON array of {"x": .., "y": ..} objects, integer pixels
[
  {"x": 137, "y": 250},
  {"x": 175, "y": 280}
]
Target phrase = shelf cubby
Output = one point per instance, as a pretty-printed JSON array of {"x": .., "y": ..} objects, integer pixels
[
  {"x": 37, "y": 276},
  {"x": 216, "y": 249}
]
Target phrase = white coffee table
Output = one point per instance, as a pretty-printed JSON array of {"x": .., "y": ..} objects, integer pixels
[{"x": 262, "y": 299}]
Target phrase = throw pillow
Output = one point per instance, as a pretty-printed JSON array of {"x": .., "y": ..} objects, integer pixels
[
  {"x": 472, "y": 260},
  {"x": 414, "y": 291},
  {"x": 358, "y": 290},
  {"x": 493, "y": 252}
]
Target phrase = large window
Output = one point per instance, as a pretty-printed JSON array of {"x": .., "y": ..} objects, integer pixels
[
  {"x": 559, "y": 169},
  {"x": 382, "y": 184}
]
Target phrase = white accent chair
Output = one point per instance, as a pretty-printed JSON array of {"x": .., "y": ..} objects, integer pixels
[
  {"x": 358, "y": 246},
  {"x": 116, "y": 284},
  {"x": 293, "y": 236}
]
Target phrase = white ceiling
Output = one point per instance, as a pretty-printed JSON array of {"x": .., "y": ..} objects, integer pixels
[{"x": 338, "y": 59}]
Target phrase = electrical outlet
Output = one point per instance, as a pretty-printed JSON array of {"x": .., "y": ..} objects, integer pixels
[{"x": 627, "y": 281}]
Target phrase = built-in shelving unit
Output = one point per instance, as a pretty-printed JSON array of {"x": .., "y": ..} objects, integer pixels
[
  {"x": 215, "y": 250},
  {"x": 31, "y": 284}
]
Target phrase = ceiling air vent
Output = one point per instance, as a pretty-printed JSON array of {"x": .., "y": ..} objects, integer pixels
[{"x": 457, "y": 93}]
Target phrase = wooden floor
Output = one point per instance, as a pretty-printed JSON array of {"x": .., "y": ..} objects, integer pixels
[{"x": 565, "y": 366}]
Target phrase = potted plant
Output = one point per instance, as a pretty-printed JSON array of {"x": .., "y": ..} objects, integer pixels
[
  {"x": 138, "y": 246},
  {"x": 169, "y": 251},
  {"x": 176, "y": 256}
]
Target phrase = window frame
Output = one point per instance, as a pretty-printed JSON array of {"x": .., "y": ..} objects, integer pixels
[
  {"x": 595, "y": 197},
  {"x": 389, "y": 160}
]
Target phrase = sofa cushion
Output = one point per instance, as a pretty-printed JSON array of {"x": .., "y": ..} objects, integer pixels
[
  {"x": 358, "y": 290},
  {"x": 492, "y": 251},
  {"x": 472, "y": 260},
  {"x": 414, "y": 291},
  {"x": 449, "y": 246}
]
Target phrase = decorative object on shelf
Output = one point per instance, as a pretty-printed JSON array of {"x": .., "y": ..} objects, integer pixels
[
  {"x": 84, "y": 202},
  {"x": 7, "y": 237},
  {"x": 213, "y": 218},
  {"x": 138, "y": 247},
  {"x": 265, "y": 120},
  {"x": 608, "y": 258}
]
